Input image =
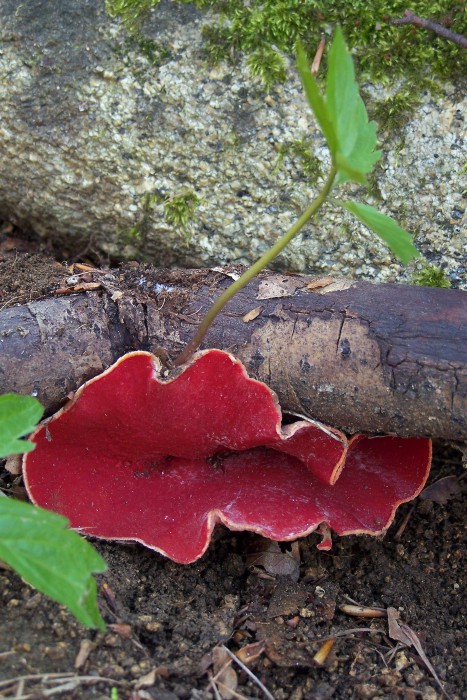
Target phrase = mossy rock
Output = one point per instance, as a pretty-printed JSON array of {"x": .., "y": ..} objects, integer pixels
[{"x": 102, "y": 127}]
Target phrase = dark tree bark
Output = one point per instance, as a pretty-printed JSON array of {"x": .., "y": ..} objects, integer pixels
[{"x": 359, "y": 356}]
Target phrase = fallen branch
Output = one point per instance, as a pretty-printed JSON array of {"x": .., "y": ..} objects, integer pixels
[
  {"x": 411, "y": 18},
  {"x": 359, "y": 356}
]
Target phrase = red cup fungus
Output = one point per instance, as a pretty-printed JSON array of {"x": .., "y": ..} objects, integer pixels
[{"x": 138, "y": 455}]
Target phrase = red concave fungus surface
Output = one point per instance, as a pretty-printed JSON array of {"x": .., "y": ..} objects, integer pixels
[{"x": 136, "y": 456}]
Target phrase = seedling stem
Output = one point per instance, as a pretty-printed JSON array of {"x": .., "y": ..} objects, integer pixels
[{"x": 252, "y": 271}]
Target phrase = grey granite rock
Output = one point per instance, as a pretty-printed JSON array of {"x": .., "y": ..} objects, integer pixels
[{"x": 95, "y": 137}]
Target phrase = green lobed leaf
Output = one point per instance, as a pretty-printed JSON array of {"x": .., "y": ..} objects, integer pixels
[
  {"x": 398, "y": 240},
  {"x": 346, "y": 172},
  {"x": 356, "y": 135},
  {"x": 342, "y": 94},
  {"x": 18, "y": 416},
  {"x": 316, "y": 101},
  {"x": 363, "y": 156},
  {"x": 341, "y": 114},
  {"x": 56, "y": 561}
]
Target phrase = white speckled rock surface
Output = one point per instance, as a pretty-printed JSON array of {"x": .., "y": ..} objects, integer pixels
[{"x": 93, "y": 138}]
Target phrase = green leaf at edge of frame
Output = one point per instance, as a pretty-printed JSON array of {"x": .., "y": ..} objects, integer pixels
[
  {"x": 397, "y": 238},
  {"x": 56, "y": 561},
  {"x": 316, "y": 101},
  {"x": 18, "y": 416}
]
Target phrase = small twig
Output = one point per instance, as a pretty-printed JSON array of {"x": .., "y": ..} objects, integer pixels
[
  {"x": 401, "y": 529},
  {"x": 10, "y": 301},
  {"x": 344, "y": 633},
  {"x": 19, "y": 689},
  {"x": 57, "y": 677},
  {"x": 64, "y": 688},
  {"x": 350, "y": 600},
  {"x": 410, "y": 18},
  {"x": 221, "y": 671},
  {"x": 318, "y": 56},
  {"x": 392, "y": 652},
  {"x": 249, "y": 673},
  {"x": 230, "y": 691},
  {"x": 213, "y": 685}
]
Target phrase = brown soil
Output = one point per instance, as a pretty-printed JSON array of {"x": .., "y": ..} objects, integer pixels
[{"x": 169, "y": 618}]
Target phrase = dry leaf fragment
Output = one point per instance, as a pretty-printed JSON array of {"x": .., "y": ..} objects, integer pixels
[
  {"x": 225, "y": 677},
  {"x": 442, "y": 491},
  {"x": 147, "y": 680},
  {"x": 320, "y": 282},
  {"x": 150, "y": 678},
  {"x": 401, "y": 632},
  {"x": 268, "y": 554},
  {"x": 250, "y": 652},
  {"x": 13, "y": 464},
  {"x": 324, "y": 285},
  {"x": 123, "y": 630},
  {"x": 233, "y": 275},
  {"x": 273, "y": 289},
  {"x": 293, "y": 622},
  {"x": 251, "y": 315}
]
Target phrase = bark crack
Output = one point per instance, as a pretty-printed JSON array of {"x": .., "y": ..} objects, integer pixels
[{"x": 339, "y": 334}]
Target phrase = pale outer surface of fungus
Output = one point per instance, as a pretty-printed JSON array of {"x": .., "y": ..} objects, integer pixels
[{"x": 95, "y": 137}]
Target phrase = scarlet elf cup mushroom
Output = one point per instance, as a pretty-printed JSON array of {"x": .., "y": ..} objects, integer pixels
[{"x": 161, "y": 460}]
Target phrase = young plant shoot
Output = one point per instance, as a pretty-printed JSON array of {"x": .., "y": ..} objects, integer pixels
[{"x": 351, "y": 139}]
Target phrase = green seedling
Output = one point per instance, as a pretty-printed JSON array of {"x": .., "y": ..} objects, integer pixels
[
  {"x": 36, "y": 543},
  {"x": 430, "y": 276},
  {"x": 179, "y": 210},
  {"x": 300, "y": 150},
  {"x": 351, "y": 140}
]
